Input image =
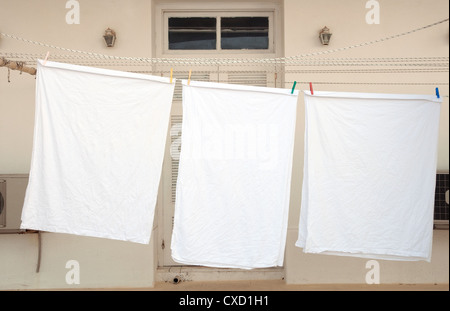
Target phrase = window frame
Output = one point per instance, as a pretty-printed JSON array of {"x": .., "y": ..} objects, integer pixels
[{"x": 218, "y": 14}]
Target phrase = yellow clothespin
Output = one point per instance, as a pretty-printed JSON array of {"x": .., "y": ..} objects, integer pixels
[
  {"x": 190, "y": 74},
  {"x": 171, "y": 75},
  {"x": 46, "y": 57}
]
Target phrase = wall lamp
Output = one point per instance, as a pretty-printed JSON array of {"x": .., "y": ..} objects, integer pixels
[
  {"x": 110, "y": 37},
  {"x": 325, "y": 35}
]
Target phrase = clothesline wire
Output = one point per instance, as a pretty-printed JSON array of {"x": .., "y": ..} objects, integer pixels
[
  {"x": 418, "y": 64},
  {"x": 35, "y": 56},
  {"x": 362, "y": 71},
  {"x": 374, "y": 83},
  {"x": 423, "y": 64},
  {"x": 312, "y": 61},
  {"x": 442, "y": 63},
  {"x": 366, "y": 69},
  {"x": 224, "y": 61}
]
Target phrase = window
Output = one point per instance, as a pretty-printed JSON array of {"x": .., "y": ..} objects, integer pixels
[
  {"x": 241, "y": 33},
  {"x": 192, "y": 33},
  {"x": 219, "y": 32}
]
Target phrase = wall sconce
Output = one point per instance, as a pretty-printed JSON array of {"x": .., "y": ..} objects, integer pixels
[
  {"x": 110, "y": 37},
  {"x": 325, "y": 36}
]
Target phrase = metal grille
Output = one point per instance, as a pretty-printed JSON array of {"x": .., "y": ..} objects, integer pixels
[
  {"x": 175, "y": 149},
  {"x": 250, "y": 78},
  {"x": 441, "y": 206},
  {"x": 178, "y": 93}
]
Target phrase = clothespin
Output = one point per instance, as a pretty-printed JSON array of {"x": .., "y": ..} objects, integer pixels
[
  {"x": 311, "y": 88},
  {"x": 437, "y": 93},
  {"x": 46, "y": 57},
  {"x": 189, "y": 79},
  {"x": 293, "y": 88},
  {"x": 171, "y": 75}
]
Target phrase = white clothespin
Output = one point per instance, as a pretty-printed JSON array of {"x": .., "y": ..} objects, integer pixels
[{"x": 46, "y": 57}]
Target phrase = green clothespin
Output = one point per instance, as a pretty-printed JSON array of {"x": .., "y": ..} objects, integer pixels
[{"x": 293, "y": 88}]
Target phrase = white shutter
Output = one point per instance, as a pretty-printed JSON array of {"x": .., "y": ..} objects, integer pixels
[
  {"x": 175, "y": 149},
  {"x": 258, "y": 78},
  {"x": 178, "y": 93}
]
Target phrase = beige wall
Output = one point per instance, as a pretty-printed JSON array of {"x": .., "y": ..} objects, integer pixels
[
  {"x": 102, "y": 263},
  {"x": 45, "y": 21},
  {"x": 110, "y": 263}
]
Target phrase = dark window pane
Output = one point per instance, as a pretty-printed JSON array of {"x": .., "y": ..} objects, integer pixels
[
  {"x": 196, "y": 33},
  {"x": 245, "y": 33}
]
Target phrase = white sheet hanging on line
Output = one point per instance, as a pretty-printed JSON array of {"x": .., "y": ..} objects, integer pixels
[
  {"x": 234, "y": 179},
  {"x": 99, "y": 144},
  {"x": 369, "y": 175}
]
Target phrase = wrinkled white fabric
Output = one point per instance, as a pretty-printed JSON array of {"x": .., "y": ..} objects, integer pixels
[
  {"x": 234, "y": 179},
  {"x": 99, "y": 143},
  {"x": 369, "y": 175}
]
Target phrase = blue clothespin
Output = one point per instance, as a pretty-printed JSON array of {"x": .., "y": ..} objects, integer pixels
[{"x": 437, "y": 93}]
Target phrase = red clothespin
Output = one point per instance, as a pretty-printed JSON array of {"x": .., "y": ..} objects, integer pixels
[{"x": 311, "y": 88}]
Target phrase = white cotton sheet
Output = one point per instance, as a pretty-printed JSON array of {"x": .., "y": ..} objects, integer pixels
[
  {"x": 99, "y": 143},
  {"x": 233, "y": 189},
  {"x": 369, "y": 175}
]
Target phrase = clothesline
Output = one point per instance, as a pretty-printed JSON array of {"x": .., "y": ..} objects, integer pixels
[
  {"x": 14, "y": 65},
  {"x": 418, "y": 64},
  {"x": 423, "y": 63},
  {"x": 34, "y": 56},
  {"x": 412, "y": 61},
  {"x": 375, "y": 83},
  {"x": 224, "y": 61},
  {"x": 387, "y": 61}
]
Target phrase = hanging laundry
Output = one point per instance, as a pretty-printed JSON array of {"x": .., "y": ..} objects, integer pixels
[
  {"x": 99, "y": 143},
  {"x": 369, "y": 175},
  {"x": 233, "y": 190}
]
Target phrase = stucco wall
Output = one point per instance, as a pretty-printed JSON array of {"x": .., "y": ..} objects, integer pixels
[{"x": 110, "y": 263}]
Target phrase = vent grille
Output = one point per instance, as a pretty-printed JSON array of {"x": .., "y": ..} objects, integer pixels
[
  {"x": 251, "y": 78},
  {"x": 175, "y": 149},
  {"x": 441, "y": 206},
  {"x": 2, "y": 203},
  {"x": 178, "y": 93}
]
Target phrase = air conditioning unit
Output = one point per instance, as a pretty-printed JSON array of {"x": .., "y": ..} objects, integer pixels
[
  {"x": 12, "y": 196},
  {"x": 441, "y": 203},
  {"x": 2, "y": 203}
]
